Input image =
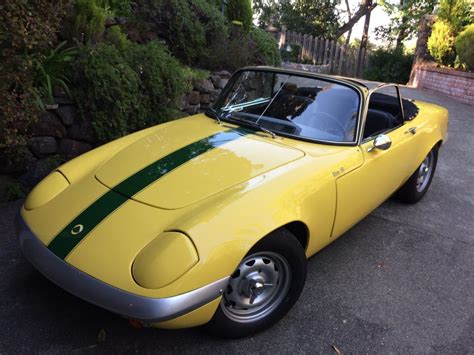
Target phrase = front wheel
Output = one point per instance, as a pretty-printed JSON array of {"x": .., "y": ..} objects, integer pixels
[
  {"x": 417, "y": 185},
  {"x": 263, "y": 288}
]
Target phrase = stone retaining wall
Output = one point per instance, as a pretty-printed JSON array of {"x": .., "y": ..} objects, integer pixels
[
  {"x": 204, "y": 92},
  {"x": 61, "y": 134},
  {"x": 455, "y": 83}
]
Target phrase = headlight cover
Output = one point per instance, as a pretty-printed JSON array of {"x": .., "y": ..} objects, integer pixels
[
  {"x": 164, "y": 260},
  {"x": 47, "y": 189}
]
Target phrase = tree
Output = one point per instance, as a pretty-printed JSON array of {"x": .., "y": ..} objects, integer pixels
[
  {"x": 365, "y": 7},
  {"x": 313, "y": 17},
  {"x": 457, "y": 13},
  {"x": 364, "y": 40},
  {"x": 240, "y": 10},
  {"x": 267, "y": 12},
  {"x": 349, "y": 14},
  {"x": 317, "y": 18},
  {"x": 405, "y": 16}
]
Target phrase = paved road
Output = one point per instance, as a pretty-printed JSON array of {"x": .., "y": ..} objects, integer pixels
[{"x": 401, "y": 281}]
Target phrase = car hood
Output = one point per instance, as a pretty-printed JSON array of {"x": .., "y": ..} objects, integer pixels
[{"x": 189, "y": 160}]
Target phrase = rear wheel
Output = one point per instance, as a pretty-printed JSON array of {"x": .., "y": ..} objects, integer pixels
[
  {"x": 263, "y": 288},
  {"x": 418, "y": 184}
]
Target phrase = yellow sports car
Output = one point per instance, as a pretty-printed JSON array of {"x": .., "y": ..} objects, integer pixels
[{"x": 210, "y": 219}]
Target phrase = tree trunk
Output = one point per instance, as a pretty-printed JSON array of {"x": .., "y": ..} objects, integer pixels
[
  {"x": 349, "y": 33},
  {"x": 366, "y": 6},
  {"x": 363, "y": 46},
  {"x": 402, "y": 34}
]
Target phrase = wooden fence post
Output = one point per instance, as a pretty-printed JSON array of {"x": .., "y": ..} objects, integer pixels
[
  {"x": 282, "y": 40},
  {"x": 366, "y": 59},
  {"x": 341, "y": 59},
  {"x": 305, "y": 47},
  {"x": 315, "y": 50},
  {"x": 332, "y": 56},
  {"x": 310, "y": 47},
  {"x": 325, "y": 53}
]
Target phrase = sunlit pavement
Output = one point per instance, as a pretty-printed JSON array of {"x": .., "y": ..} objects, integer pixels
[{"x": 401, "y": 281}]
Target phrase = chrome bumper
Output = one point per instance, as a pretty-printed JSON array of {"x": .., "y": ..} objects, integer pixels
[{"x": 92, "y": 290}]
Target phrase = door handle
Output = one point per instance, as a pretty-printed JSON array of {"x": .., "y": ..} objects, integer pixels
[{"x": 411, "y": 130}]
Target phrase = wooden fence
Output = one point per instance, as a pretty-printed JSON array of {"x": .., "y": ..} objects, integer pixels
[{"x": 341, "y": 59}]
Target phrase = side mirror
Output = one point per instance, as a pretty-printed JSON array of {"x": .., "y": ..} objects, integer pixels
[{"x": 382, "y": 142}]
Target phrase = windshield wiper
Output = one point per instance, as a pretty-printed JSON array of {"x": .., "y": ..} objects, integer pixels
[
  {"x": 218, "y": 116},
  {"x": 212, "y": 112},
  {"x": 250, "y": 123}
]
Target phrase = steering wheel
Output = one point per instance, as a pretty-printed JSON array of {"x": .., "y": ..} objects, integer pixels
[
  {"x": 304, "y": 102},
  {"x": 331, "y": 124}
]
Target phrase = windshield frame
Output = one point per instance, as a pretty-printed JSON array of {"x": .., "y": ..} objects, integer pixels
[{"x": 359, "y": 91}]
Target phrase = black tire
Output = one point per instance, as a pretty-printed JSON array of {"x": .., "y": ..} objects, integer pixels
[
  {"x": 280, "y": 243},
  {"x": 411, "y": 192}
]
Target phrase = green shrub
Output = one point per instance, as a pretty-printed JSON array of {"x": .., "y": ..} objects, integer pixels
[
  {"x": 193, "y": 74},
  {"x": 116, "y": 7},
  {"x": 89, "y": 21},
  {"x": 54, "y": 70},
  {"x": 267, "y": 52},
  {"x": 15, "y": 191},
  {"x": 240, "y": 10},
  {"x": 27, "y": 29},
  {"x": 290, "y": 52},
  {"x": 457, "y": 13},
  {"x": 106, "y": 89},
  {"x": 389, "y": 66},
  {"x": 465, "y": 46},
  {"x": 190, "y": 27},
  {"x": 162, "y": 80},
  {"x": 125, "y": 89},
  {"x": 114, "y": 35},
  {"x": 243, "y": 49},
  {"x": 441, "y": 43},
  {"x": 234, "y": 53}
]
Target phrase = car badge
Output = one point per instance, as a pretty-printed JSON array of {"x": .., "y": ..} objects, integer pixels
[{"x": 78, "y": 228}]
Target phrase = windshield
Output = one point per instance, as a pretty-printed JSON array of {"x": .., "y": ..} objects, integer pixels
[{"x": 295, "y": 105}]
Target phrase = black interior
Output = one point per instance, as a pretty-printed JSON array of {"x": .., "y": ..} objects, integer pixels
[
  {"x": 384, "y": 113},
  {"x": 287, "y": 105},
  {"x": 378, "y": 121}
]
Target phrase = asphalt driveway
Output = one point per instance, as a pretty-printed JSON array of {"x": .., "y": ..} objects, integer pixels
[{"x": 401, "y": 281}]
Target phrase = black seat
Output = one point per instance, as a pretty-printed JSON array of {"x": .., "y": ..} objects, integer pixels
[{"x": 378, "y": 121}]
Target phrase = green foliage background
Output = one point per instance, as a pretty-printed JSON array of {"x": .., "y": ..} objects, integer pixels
[
  {"x": 190, "y": 27},
  {"x": 465, "y": 46},
  {"x": 441, "y": 42},
  {"x": 389, "y": 65},
  {"x": 317, "y": 18},
  {"x": 452, "y": 17},
  {"x": 129, "y": 88},
  {"x": 28, "y": 29},
  {"x": 125, "y": 63},
  {"x": 240, "y": 10}
]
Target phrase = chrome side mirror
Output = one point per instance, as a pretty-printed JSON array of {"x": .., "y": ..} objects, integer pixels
[{"x": 382, "y": 142}]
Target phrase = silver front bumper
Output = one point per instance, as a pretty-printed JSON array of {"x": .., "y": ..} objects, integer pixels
[{"x": 109, "y": 297}]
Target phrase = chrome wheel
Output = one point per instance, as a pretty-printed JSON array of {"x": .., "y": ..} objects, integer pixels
[
  {"x": 257, "y": 287},
  {"x": 424, "y": 172}
]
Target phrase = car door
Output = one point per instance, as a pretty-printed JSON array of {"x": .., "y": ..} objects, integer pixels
[{"x": 382, "y": 173}]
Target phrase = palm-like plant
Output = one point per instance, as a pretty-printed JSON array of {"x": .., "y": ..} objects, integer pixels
[{"x": 54, "y": 69}]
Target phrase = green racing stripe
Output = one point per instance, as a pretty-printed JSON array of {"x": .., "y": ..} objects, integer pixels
[{"x": 87, "y": 220}]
